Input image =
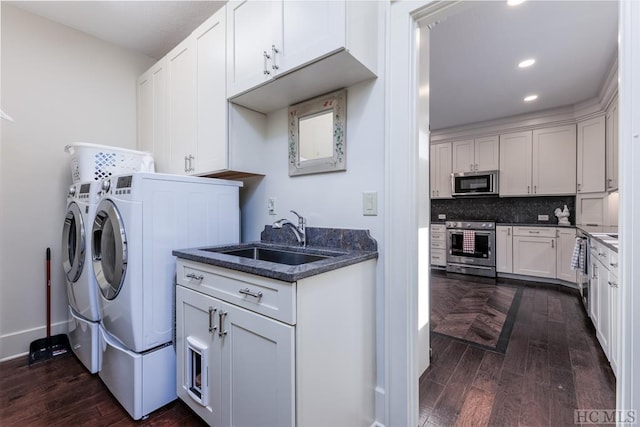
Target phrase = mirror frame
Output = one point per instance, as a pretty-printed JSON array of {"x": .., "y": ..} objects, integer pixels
[{"x": 335, "y": 102}]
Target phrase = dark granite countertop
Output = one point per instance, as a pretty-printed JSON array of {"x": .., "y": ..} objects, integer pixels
[
  {"x": 343, "y": 246},
  {"x": 288, "y": 273}
]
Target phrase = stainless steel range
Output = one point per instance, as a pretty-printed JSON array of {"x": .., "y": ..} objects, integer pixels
[{"x": 471, "y": 247}]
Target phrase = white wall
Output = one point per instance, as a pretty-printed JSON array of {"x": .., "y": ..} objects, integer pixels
[
  {"x": 332, "y": 200},
  {"x": 60, "y": 86}
]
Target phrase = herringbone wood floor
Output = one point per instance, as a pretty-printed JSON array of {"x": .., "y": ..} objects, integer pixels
[{"x": 553, "y": 365}]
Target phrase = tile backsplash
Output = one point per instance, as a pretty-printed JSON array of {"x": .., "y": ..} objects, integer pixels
[{"x": 517, "y": 210}]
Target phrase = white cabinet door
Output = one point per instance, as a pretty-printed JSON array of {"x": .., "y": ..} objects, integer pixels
[
  {"x": 614, "y": 321},
  {"x": 251, "y": 33},
  {"x": 603, "y": 328},
  {"x": 487, "y": 153},
  {"x": 211, "y": 101},
  {"x": 504, "y": 249},
  {"x": 566, "y": 239},
  {"x": 612, "y": 146},
  {"x": 258, "y": 365},
  {"x": 153, "y": 112},
  {"x": 181, "y": 65},
  {"x": 534, "y": 256},
  {"x": 594, "y": 287},
  {"x": 463, "y": 156},
  {"x": 309, "y": 30},
  {"x": 515, "y": 164},
  {"x": 440, "y": 174},
  {"x": 234, "y": 367},
  {"x": 591, "y": 155},
  {"x": 554, "y": 160}
]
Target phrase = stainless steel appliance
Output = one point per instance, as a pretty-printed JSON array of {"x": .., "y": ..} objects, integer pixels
[
  {"x": 474, "y": 183},
  {"x": 471, "y": 247}
]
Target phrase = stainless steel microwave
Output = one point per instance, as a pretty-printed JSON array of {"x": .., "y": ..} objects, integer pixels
[{"x": 474, "y": 183}]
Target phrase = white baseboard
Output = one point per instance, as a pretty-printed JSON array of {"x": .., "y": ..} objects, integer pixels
[
  {"x": 16, "y": 344},
  {"x": 380, "y": 402}
]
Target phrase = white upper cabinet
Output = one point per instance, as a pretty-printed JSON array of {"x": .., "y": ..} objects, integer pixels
[
  {"x": 612, "y": 146},
  {"x": 479, "y": 154},
  {"x": 515, "y": 164},
  {"x": 318, "y": 46},
  {"x": 539, "y": 162},
  {"x": 440, "y": 170},
  {"x": 152, "y": 112},
  {"x": 554, "y": 160},
  {"x": 591, "y": 155}
]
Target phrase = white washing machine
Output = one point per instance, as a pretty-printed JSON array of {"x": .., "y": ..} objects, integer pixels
[
  {"x": 140, "y": 219},
  {"x": 82, "y": 290}
]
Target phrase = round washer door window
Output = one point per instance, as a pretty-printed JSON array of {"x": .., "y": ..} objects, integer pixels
[
  {"x": 109, "y": 252},
  {"x": 73, "y": 243}
]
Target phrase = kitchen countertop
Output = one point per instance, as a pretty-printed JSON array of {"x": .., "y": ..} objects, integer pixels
[
  {"x": 601, "y": 234},
  {"x": 288, "y": 273}
]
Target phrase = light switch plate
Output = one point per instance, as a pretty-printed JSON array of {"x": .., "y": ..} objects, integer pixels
[
  {"x": 271, "y": 206},
  {"x": 543, "y": 217},
  {"x": 370, "y": 203}
]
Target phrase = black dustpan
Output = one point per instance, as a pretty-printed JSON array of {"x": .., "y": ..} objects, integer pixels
[{"x": 51, "y": 346}]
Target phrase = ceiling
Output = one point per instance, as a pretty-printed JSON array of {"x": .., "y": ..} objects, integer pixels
[
  {"x": 474, "y": 53},
  {"x": 152, "y": 28},
  {"x": 474, "y": 73}
]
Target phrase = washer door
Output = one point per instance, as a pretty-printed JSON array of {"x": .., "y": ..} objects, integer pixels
[
  {"x": 73, "y": 243},
  {"x": 109, "y": 251}
]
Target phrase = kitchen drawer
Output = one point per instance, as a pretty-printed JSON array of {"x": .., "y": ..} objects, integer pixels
[
  {"x": 534, "y": 231},
  {"x": 601, "y": 252},
  {"x": 437, "y": 236},
  {"x": 613, "y": 262},
  {"x": 272, "y": 298},
  {"x": 439, "y": 228},
  {"x": 438, "y": 244},
  {"x": 439, "y": 257}
]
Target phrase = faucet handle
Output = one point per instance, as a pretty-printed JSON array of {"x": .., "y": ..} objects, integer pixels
[{"x": 301, "y": 219}]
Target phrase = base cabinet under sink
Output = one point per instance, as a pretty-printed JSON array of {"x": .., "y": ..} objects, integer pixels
[{"x": 299, "y": 354}]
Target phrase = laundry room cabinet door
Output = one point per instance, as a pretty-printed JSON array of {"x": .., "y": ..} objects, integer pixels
[{"x": 235, "y": 367}]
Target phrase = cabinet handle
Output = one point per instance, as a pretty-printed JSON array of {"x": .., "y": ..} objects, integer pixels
[
  {"x": 476, "y": 167},
  {"x": 247, "y": 291},
  {"x": 535, "y": 189},
  {"x": 437, "y": 192},
  {"x": 533, "y": 232},
  {"x": 221, "y": 332},
  {"x": 612, "y": 284},
  {"x": 552, "y": 243},
  {"x": 274, "y": 66},
  {"x": 508, "y": 232},
  {"x": 528, "y": 189},
  {"x": 613, "y": 264},
  {"x": 185, "y": 163},
  {"x": 212, "y": 311},
  {"x": 471, "y": 167},
  {"x": 195, "y": 276},
  {"x": 595, "y": 271},
  {"x": 266, "y": 57},
  {"x": 190, "y": 158},
  {"x": 579, "y": 187}
]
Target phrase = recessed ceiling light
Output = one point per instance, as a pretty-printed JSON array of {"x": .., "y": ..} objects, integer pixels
[
  {"x": 515, "y": 2},
  {"x": 530, "y": 98},
  {"x": 527, "y": 63}
]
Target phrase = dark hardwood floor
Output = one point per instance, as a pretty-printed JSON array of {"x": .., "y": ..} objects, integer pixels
[
  {"x": 553, "y": 365},
  {"x": 61, "y": 392}
]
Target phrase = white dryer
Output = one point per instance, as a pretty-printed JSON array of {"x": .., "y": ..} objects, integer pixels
[
  {"x": 82, "y": 290},
  {"x": 140, "y": 219}
]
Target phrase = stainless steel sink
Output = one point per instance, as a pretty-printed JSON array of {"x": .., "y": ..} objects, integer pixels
[{"x": 272, "y": 255}]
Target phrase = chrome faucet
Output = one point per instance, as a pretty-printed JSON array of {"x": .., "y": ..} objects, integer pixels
[{"x": 299, "y": 230}]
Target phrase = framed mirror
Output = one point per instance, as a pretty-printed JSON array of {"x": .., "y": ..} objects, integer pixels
[{"x": 317, "y": 131}]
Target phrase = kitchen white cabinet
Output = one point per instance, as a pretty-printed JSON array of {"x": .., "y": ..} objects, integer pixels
[
  {"x": 554, "y": 160},
  {"x": 267, "y": 40},
  {"x": 612, "y": 145},
  {"x": 440, "y": 170},
  {"x": 479, "y": 154},
  {"x": 438, "y": 245},
  {"x": 152, "y": 114},
  {"x": 270, "y": 353},
  {"x": 594, "y": 286},
  {"x": 565, "y": 239},
  {"x": 591, "y": 155},
  {"x": 534, "y": 251},
  {"x": 539, "y": 162},
  {"x": 603, "y": 327},
  {"x": 504, "y": 249},
  {"x": 614, "y": 312},
  {"x": 515, "y": 164}
]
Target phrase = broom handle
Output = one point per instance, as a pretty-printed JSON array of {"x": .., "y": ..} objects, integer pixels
[{"x": 48, "y": 292}]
